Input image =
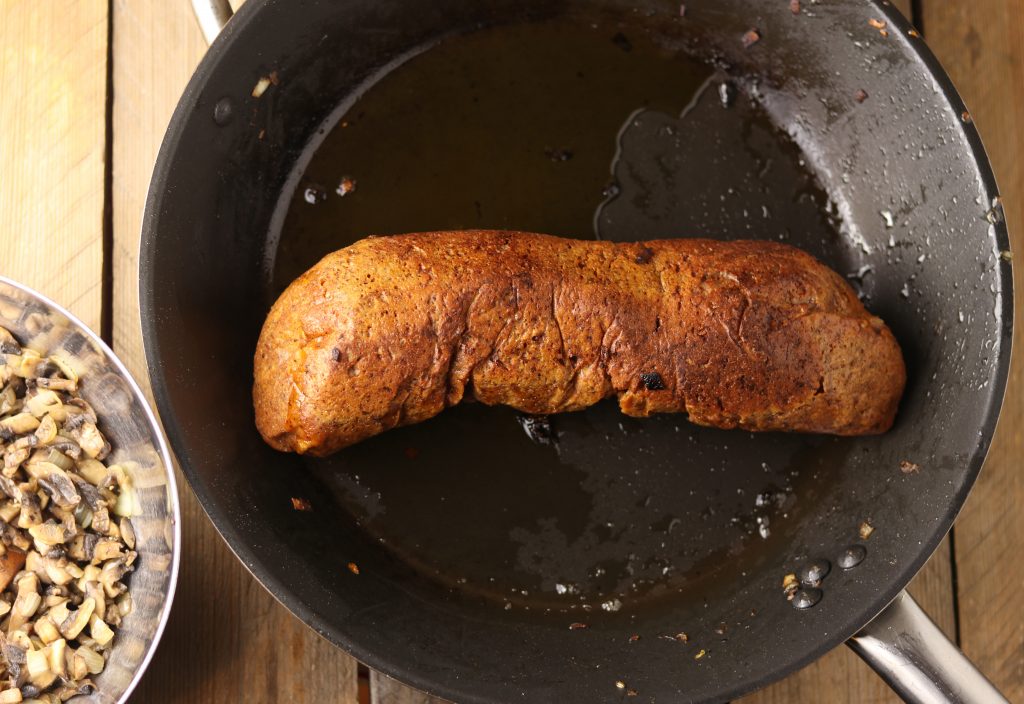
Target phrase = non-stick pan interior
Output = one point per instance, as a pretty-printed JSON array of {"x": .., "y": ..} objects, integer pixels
[{"x": 482, "y": 540}]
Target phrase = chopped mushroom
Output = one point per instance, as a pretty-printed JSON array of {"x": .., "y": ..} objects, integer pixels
[
  {"x": 66, "y": 538},
  {"x": 8, "y": 345}
]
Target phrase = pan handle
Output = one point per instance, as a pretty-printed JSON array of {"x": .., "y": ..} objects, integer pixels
[
  {"x": 915, "y": 658},
  {"x": 212, "y": 16}
]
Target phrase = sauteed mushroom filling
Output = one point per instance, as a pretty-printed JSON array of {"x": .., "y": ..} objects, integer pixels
[{"x": 66, "y": 537}]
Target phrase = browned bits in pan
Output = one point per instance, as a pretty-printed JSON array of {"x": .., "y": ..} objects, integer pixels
[
  {"x": 794, "y": 6},
  {"x": 345, "y": 186},
  {"x": 861, "y": 95},
  {"x": 908, "y": 467},
  {"x": 790, "y": 584},
  {"x": 353, "y": 568},
  {"x": 750, "y": 37},
  {"x": 877, "y": 24},
  {"x": 263, "y": 83},
  {"x": 301, "y": 504},
  {"x": 865, "y": 530},
  {"x": 577, "y": 626},
  {"x": 66, "y": 538}
]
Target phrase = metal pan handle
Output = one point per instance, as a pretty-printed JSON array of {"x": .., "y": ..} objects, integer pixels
[
  {"x": 915, "y": 658},
  {"x": 212, "y": 16}
]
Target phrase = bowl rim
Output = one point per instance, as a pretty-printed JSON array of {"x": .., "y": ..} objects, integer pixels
[{"x": 157, "y": 433}]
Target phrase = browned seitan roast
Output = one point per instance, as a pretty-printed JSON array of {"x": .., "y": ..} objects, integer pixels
[{"x": 392, "y": 330}]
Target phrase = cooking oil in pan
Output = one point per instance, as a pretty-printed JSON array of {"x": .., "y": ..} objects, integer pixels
[{"x": 579, "y": 130}]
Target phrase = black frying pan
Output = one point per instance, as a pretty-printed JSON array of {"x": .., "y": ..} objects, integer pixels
[{"x": 483, "y": 540}]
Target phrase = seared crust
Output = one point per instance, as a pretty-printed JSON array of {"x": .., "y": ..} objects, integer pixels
[{"x": 392, "y": 330}]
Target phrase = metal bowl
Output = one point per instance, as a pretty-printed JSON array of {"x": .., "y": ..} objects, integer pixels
[{"x": 138, "y": 445}]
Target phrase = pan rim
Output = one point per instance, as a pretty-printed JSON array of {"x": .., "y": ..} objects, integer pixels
[{"x": 449, "y": 688}]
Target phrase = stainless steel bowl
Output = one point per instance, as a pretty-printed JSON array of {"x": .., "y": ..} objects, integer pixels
[{"x": 138, "y": 445}]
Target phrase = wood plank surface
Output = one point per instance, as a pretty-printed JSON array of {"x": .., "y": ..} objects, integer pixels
[
  {"x": 981, "y": 44},
  {"x": 53, "y": 69},
  {"x": 384, "y": 690},
  {"x": 227, "y": 640}
]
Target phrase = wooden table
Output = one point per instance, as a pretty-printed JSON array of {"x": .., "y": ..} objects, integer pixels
[{"x": 88, "y": 88}]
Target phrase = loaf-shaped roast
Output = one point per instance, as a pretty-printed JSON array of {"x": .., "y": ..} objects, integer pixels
[{"x": 392, "y": 330}]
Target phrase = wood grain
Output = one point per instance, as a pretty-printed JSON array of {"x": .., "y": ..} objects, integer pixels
[
  {"x": 53, "y": 69},
  {"x": 227, "y": 640},
  {"x": 384, "y": 690},
  {"x": 980, "y": 43}
]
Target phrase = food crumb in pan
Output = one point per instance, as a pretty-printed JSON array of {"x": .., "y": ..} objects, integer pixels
[
  {"x": 887, "y": 216},
  {"x": 913, "y": 33},
  {"x": 1006, "y": 255},
  {"x": 679, "y": 637},
  {"x": 265, "y": 82},
  {"x": 261, "y": 135},
  {"x": 750, "y": 37},
  {"x": 619, "y": 684},
  {"x": 866, "y": 529},
  {"x": 634, "y": 638},
  {"x": 353, "y": 568},
  {"x": 908, "y": 467},
  {"x": 682, "y": 9},
  {"x": 346, "y": 186},
  {"x": 861, "y": 95},
  {"x": 966, "y": 116},
  {"x": 794, "y": 6},
  {"x": 631, "y": 692},
  {"x": 301, "y": 504},
  {"x": 700, "y": 653},
  {"x": 577, "y": 626},
  {"x": 537, "y": 428},
  {"x": 790, "y": 584},
  {"x": 877, "y": 24}
]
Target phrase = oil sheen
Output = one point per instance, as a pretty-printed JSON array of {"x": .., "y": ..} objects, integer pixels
[{"x": 580, "y": 130}]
